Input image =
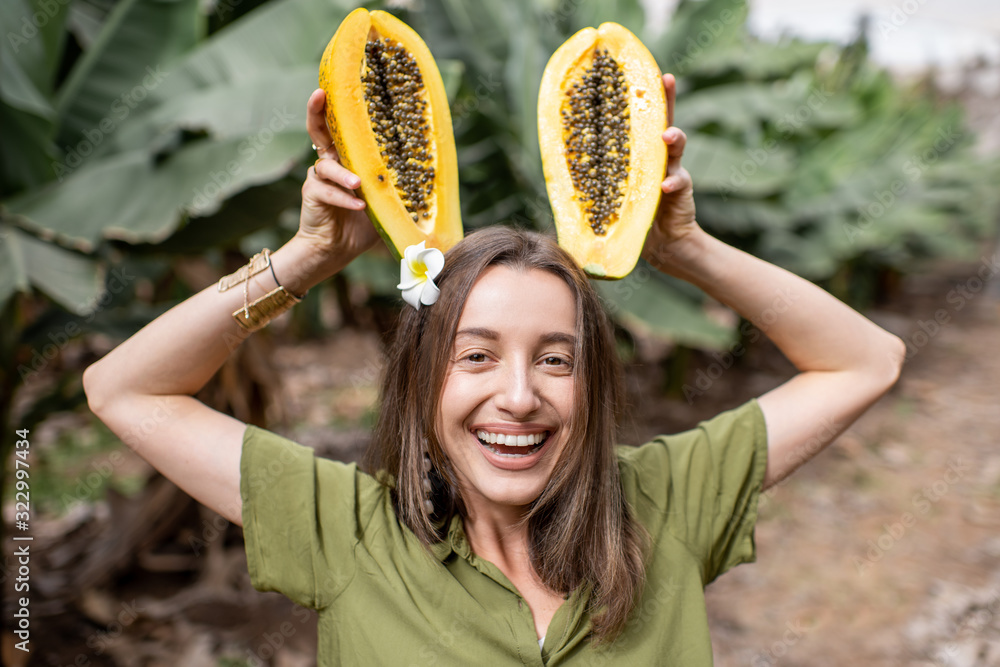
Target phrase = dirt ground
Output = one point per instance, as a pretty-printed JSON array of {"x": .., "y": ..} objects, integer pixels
[{"x": 885, "y": 550}]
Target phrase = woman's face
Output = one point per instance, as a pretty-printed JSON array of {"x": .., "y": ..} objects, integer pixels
[{"x": 508, "y": 391}]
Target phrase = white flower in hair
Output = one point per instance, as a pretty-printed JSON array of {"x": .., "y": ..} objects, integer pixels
[{"x": 417, "y": 271}]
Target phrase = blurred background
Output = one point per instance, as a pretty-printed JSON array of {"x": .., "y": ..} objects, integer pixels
[{"x": 149, "y": 146}]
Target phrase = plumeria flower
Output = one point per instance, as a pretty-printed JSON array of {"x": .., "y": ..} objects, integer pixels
[{"x": 417, "y": 271}]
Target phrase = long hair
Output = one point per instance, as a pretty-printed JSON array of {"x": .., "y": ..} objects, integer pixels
[{"x": 580, "y": 528}]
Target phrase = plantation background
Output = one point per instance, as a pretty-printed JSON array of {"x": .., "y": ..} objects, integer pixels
[{"x": 120, "y": 123}]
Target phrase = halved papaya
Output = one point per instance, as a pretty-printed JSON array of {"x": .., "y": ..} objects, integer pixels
[
  {"x": 388, "y": 114},
  {"x": 601, "y": 113}
]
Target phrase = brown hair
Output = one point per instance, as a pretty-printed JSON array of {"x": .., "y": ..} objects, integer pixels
[{"x": 580, "y": 529}]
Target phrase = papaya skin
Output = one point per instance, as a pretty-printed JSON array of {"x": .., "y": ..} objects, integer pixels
[
  {"x": 347, "y": 119},
  {"x": 611, "y": 256}
]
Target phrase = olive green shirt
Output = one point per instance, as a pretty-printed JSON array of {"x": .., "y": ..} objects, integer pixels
[{"x": 324, "y": 534}]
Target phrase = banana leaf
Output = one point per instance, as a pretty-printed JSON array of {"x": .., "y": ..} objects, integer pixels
[
  {"x": 131, "y": 57},
  {"x": 68, "y": 278},
  {"x": 225, "y": 111},
  {"x": 134, "y": 198},
  {"x": 645, "y": 304},
  {"x": 721, "y": 166},
  {"x": 277, "y": 35}
]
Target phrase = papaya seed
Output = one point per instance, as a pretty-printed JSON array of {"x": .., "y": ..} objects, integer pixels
[
  {"x": 398, "y": 114},
  {"x": 596, "y": 124}
]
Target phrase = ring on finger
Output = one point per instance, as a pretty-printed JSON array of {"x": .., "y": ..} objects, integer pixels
[{"x": 321, "y": 150}]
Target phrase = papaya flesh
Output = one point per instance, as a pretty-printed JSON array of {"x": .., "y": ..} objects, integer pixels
[
  {"x": 602, "y": 111},
  {"x": 388, "y": 114}
]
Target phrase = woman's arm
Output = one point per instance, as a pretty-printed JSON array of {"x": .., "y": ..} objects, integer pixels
[
  {"x": 845, "y": 361},
  {"x": 143, "y": 389}
]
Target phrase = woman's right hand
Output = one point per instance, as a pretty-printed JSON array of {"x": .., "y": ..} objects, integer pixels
[{"x": 333, "y": 218}]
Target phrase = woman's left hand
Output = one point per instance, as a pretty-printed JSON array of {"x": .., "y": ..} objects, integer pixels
[{"x": 675, "y": 218}]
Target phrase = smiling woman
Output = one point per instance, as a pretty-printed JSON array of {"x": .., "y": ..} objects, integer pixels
[
  {"x": 494, "y": 520},
  {"x": 508, "y": 393},
  {"x": 518, "y": 347}
]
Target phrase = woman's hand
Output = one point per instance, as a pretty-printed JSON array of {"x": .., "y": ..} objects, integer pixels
[
  {"x": 333, "y": 218},
  {"x": 675, "y": 218}
]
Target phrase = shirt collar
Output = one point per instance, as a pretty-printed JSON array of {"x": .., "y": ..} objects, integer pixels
[{"x": 456, "y": 541}]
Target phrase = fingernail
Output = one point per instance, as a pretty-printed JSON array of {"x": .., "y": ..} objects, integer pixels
[
  {"x": 359, "y": 203},
  {"x": 667, "y": 186},
  {"x": 353, "y": 181}
]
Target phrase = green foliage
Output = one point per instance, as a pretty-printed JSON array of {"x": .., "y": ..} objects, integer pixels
[
  {"x": 505, "y": 49},
  {"x": 130, "y": 124},
  {"x": 811, "y": 157},
  {"x": 232, "y": 662},
  {"x": 155, "y": 125},
  {"x": 27, "y": 260},
  {"x": 793, "y": 147}
]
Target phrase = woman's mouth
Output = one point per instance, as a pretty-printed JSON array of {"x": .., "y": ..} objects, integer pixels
[{"x": 510, "y": 445}]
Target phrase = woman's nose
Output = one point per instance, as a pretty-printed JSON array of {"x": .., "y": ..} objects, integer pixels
[{"x": 518, "y": 393}]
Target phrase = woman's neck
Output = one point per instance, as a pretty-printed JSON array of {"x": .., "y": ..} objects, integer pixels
[{"x": 495, "y": 534}]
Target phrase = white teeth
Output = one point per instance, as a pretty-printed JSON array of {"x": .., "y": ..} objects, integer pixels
[{"x": 511, "y": 440}]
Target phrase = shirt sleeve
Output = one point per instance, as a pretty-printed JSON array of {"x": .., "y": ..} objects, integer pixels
[
  {"x": 300, "y": 519},
  {"x": 702, "y": 486}
]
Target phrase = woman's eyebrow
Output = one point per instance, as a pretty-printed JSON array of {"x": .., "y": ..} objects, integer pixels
[
  {"x": 493, "y": 335},
  {"x": 478, "y": 332},
  {"x": 559, "y": 337}
]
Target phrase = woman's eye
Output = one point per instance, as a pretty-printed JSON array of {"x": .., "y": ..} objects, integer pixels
[
  {"x": 476, "y": 357},
  {"x": 555, "y": 361}
]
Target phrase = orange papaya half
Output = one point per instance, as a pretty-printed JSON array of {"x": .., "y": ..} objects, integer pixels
[
  {"x": 388, "y": 114},
  {"x": 602, "y": 111}
]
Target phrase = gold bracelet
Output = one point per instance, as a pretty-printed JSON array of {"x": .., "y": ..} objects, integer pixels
[
  {"x": 255, "y": 316},
  {"x": 257, "y": 263}
]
